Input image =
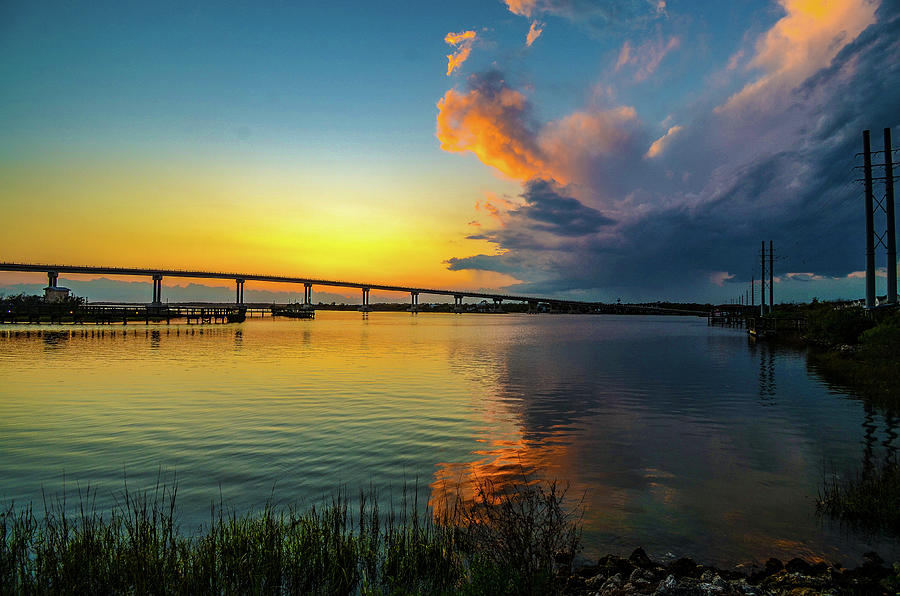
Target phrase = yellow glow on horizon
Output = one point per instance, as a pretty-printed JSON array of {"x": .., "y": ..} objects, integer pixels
[{"x": 242, "y": 220}]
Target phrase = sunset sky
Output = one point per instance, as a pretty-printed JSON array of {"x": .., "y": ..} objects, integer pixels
[{"x": 636, "y": 149}]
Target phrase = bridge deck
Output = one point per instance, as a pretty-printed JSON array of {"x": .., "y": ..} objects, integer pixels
[{"x": 100, "y": 270}]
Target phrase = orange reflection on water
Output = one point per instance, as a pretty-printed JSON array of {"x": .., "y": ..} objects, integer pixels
[{"x": 500, "y": 466}]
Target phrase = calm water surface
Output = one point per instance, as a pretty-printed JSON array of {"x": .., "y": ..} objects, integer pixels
[{"x": 683, "y": 439}]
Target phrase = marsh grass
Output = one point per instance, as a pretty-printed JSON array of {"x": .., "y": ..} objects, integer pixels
[
  {"x": 520, "y": 540},
  {"x": 870, "y": 501}
]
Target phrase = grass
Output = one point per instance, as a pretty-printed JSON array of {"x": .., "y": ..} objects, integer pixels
[
  {"x": 519, "y": 541},
  {"x": 870, "y": 501},
  {"x": 858, "y": 351}
]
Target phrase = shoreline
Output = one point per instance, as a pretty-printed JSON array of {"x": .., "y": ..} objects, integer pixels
[{"x": 639, "y": 574}]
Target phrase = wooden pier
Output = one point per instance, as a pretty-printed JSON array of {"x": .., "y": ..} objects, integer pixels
[
  {"x": 729, "y": 315},
  {"x": 770, "y": 327},
  {"x": 108, "y": 314}
]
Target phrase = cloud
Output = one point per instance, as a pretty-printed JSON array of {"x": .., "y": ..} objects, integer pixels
[
  {"x": 548, "y": 209},
  {"x": 534, "y": 32},
  {"x": 713, "y": 187},
  {"x": 660, "y": 144},
  {"x": 544, "y": 228},
  {"x": 593, "y": 14},
  {"x": 645, "y": 58},
  {"x": 578, "y": 145},
  {"x": 802, "y": 42},
  {"x": 495, "y": 122},
  {"x": 735, "y": 59},
  {"x": 804, "y": 276},
  {"x": 463, "y": 42},
  {"x": 720, "y": 277}
]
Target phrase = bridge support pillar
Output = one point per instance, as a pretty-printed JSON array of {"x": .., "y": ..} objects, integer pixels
[
  {"x": 307, "y": 294},
  {"x": 365, "y": 302},
  {"x": 457, "y": 303},
  {"x": 413, "y": 302},
  {"x": 157, "y": 289},
  {"x": 239, "y": 283},
  {"x": 498, "y": 304},
  {"x": 52, "y": 278}
]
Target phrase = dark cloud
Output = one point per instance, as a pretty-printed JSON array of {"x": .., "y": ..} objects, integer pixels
[{"x": 547, "y": 210}]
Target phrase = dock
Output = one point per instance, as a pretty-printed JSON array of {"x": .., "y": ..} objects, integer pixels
[{"x": 112, "y": 313}]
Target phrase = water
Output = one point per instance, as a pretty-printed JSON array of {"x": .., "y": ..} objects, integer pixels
[{"x": 683, "y": 439}]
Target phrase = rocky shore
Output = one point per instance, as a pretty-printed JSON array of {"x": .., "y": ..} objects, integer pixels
[{"x": 638, "y": 574}]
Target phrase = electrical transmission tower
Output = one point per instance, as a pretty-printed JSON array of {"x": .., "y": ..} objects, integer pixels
[
  {"x": 763, "y": 284},
  {"x": 888, "y": 239}
]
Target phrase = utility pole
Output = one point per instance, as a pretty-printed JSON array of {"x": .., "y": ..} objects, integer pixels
[
  {"x": 762, "y": 279},
  {"x": 889, "y": 239},
  {"x": 889, "y": 212},
  {"x": 771, "y": 277},
  {"x": 870, "y": 222}
]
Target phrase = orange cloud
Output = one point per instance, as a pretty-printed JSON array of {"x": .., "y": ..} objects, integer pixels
[
  {"x": 524, "y": 8},
  {"x": 534, "y": 32},
  {"x": 802, "y": 42},
  {"x": 491, "y": 122},
  {"x": 659, "y": 144},
  {"x": 463, "y": 42},
  {"x": 455, "y": 38}
]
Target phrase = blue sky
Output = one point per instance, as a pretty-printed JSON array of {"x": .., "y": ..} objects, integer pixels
[{"x": 316, "y": 127}]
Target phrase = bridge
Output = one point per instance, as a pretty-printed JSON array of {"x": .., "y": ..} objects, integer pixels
[{"x": 157, "y": 275}]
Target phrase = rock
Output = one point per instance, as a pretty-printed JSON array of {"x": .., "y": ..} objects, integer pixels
[
  {"x": 667, "y": 586},
  {"x": 611, "y": 565},
  {"x": 870, "y": 559},
  {"x": 641, "y": 575},
  {"x": 794, "y": 583},
  {"x": 773, "y": 565},
  {"x": 596, "y": 582},
  {"x": 617, "y": 576},
  {"x": 797, "y": 565},
  {"x": 708, "y": 575},
  {"x": 820, "y": 568},
  {"x": 640, "y": 559},
  {"x": 611, "y": 584},
  {"x": 732, "y": 575},
  {"x": 684, "y": 567},
  {"x": 708, "y": 589},
  {"x": 641, "y": 580}
]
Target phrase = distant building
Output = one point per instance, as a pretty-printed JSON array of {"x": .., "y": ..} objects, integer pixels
[{"x": 55, "y": 294}]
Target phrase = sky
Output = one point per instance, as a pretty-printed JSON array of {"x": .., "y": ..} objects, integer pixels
[{"x": 637, "y": 150}]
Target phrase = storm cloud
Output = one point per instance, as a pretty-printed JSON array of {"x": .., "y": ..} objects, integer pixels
[{"x": 612, "y": 209}]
